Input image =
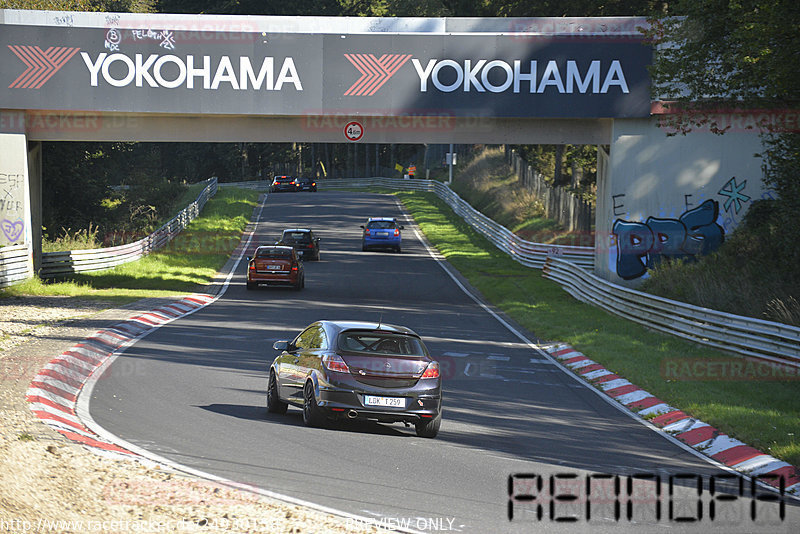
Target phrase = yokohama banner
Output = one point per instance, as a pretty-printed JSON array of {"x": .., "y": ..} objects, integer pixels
[{"x": 239, "y": 73}]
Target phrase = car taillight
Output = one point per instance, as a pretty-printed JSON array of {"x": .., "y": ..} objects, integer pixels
[
  {"x": 396, "y": 232},
  {"x": 432, "y": 371},
  {"x": 294, "y": 267},
  {"x": 252, "y": 266},
  {"x": 334, "y": 362},
  {"x": 311, "y": 245},
  {"x": 366, "y": 231}
]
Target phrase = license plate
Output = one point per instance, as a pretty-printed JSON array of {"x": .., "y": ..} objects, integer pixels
[
  {"x": 273, "y": 267},
  {"x": 393, "y": 402},
  {"x": 383, "y": 234}
]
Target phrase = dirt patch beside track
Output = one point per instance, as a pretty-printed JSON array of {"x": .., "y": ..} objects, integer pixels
[{"x": 50, "y": 484}]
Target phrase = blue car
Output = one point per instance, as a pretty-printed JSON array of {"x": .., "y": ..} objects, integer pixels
[{"x": 381, "y": 232}]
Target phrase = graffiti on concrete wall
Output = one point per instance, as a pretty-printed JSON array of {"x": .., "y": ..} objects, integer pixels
[
  {"x": 642, "y": 246},
  {"x": 733, "y": 191},
  {"x": 700, "y": 229},
  {"x": 12, "y": 207}
]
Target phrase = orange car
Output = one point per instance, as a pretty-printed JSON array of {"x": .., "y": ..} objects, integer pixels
[{"x": 275, "y": 265}]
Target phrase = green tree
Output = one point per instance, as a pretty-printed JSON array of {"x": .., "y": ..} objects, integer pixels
[
  {"x": 132, "y": 6},
  {"x": 572, "y": 8},
  {"x": 267, "y": 7},
  {"x": 742, "y": 54},
  {"x": 716, "y": 53}
]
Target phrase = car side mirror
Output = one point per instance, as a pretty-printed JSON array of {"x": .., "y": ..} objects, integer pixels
[
  {"x": 402, "y": 227},
  {"x": 281, "y": 345},
  {"x": 248, "y": 258},
  {"x": 361, "y": 226}
]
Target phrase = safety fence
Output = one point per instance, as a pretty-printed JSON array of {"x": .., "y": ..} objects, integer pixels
[
  {"x": 258, "y": 185},
  {"x": 573, "y": 213},
  {"x": 75, "y": 261},
  {"x": 15, "y": 264},
  {"x": 525, "y": 252},
  {"x": 746, "y": 336},
  {"x": 571, "y": 267}
]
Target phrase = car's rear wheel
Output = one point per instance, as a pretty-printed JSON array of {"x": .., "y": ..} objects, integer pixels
[
  {"x": 300, "y": 283},
  {"x": 311, "y": 413},
  {"x": 274, "y": 402},
  {"x": 251, "y": 285},
  {"x": 429, "y": 428},
  {"x": 397, "y": 249}
]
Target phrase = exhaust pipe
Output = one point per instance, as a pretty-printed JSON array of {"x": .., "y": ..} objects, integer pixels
[{"x": 352, "y": 414}]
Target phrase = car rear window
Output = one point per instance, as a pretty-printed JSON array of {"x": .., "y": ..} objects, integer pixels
[
  {"x": 380, "y": 225},
  {"x": 297, "y": 237},
  {"x": 378, "y": 343},
  {"x": 273, "y": 254}
]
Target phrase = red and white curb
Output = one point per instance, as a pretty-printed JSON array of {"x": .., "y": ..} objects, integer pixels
[
  {"x": 53, "y": 393},
  {"x": 693, "y": 432}
]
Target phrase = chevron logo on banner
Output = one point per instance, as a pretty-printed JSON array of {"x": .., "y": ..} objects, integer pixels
[
  {"x": 42, "y": 64},
  {"x": 374, "y": 71}
]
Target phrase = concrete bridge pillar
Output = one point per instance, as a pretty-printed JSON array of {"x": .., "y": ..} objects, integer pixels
[{"x": 20, "y": 177}]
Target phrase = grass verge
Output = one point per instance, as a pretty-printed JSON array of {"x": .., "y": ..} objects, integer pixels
[
  {"x": 764, "y": 414},
  {"x": 186, "y": 264}
]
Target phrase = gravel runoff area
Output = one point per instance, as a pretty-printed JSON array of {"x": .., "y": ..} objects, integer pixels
[{"x": 50, "y": 484}]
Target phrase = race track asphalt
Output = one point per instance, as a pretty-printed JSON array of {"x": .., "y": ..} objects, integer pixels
[{"x": 193, "y": 392}]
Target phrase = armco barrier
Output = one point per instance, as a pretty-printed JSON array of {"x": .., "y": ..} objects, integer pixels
[
  {"x": 742, "y": 335},
  {"x": 258, "y": 185},
  {"x": 15, "y": 264},
  {"x": 525, "y": 252},
  {"x": 571, "y": 267},
  {"x": 75, "y": 261}
]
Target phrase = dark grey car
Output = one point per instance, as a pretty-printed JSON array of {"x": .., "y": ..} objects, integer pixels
[
  {"x": 303, "y": 241},
  {"x": 356, "y": 370}
]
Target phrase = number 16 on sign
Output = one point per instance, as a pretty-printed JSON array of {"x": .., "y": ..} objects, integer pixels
[{"x": 353, "y": 131}]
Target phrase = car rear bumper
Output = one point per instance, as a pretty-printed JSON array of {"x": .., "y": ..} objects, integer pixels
[
  {"x": 347, "y": 401},
  {"x": 278, "y": 279},
  {"x": 381, "y": 242}
]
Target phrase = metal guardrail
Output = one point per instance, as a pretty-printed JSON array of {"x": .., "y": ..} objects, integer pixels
[
  {"x": 258, "y": 185},
  {"x": 525, "y": 252},
  {"x": 747, "y": 336},
  {"x": 571, "y": 267},
  {"x": 15, "y": 264},
  {"x": 75, "y": 261}
]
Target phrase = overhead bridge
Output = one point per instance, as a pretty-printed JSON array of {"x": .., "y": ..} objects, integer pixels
[{"x": 70, "y": 76}]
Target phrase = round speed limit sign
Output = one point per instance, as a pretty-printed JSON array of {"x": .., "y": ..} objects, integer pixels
[{"x": 353, "y": 131}]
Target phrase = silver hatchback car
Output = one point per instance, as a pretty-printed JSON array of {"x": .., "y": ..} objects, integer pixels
[{"x": 356, "y": 370}]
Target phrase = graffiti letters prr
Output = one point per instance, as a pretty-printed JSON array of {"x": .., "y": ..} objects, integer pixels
[{"x": 642, "y": 246}]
